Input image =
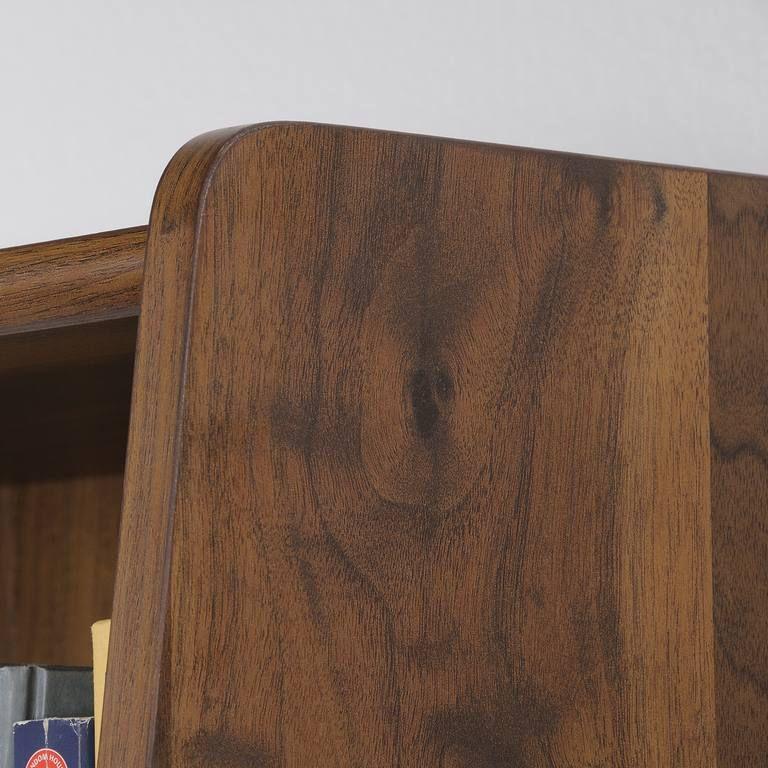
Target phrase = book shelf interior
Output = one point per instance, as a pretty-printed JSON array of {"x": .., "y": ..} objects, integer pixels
[{"x": 64, "y": 408}]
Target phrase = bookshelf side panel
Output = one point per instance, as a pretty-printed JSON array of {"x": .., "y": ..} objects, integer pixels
[{"x": 434, "y": 488}]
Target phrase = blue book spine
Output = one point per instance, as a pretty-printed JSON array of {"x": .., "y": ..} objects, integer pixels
[{"x": 56, "y": 742}]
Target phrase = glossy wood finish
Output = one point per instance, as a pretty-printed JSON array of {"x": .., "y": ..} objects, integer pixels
[
  {"x": 418, "y": 471},
  {"x": 738, "y": 333},
  {"x": 67, "y": 282},
  {"x": 414, "y": 444}
]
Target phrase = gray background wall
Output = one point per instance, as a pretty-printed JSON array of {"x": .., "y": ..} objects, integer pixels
[{"x": 97, "y": 95}]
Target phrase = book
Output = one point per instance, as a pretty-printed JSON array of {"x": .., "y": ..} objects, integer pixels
[
  {"x": 30, "y": 692},
  {"x": 54, "y": 742},
  {"x": 100, "y": 635}
]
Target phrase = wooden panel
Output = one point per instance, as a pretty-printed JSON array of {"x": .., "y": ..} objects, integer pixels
[
  {"x": 138, "y": 614},
  {"x": 58, "y": 551},
  {"x": 438, "y": 488},
  {"x": 739, "y": 407},
  {"x": 64, "y": 282},
  {"x": 75, "y": 345},
  {"x": 64, "y": 400}
]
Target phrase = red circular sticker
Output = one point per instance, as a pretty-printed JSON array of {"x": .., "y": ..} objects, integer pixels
[{"x": 46, "y": 758}]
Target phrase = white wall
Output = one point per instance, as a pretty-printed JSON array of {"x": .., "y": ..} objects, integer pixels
[{"x": 97, "y": 95}]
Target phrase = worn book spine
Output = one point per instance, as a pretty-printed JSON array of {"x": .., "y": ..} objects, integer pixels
[
  {"x": 31, "y": 693},
  {"x": 55, "y": 742}
]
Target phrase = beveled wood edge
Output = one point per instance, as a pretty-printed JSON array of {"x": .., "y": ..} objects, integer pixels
[
  {"x": 73, "y": 281},
  {"x": 134, "y": 673}
]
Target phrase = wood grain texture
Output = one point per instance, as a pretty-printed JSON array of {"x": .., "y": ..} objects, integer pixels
[
  {"x": 139, "y": 607},
  {"x": 738, "y": 329},
  {"x": 75, "y": 345},
  {"x": 58, "y": 549},
  {"x": 65, "y": 282},
  {"x": 424, "y": 478}
]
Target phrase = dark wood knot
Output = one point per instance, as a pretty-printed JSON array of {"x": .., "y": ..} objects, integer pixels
[{"x": 431, "y": 391}]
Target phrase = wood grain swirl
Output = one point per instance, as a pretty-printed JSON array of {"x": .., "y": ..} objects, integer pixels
[{"x": 429, "y": 453}]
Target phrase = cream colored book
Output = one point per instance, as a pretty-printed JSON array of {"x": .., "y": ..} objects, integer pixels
[{"x": 100, "y": 635}]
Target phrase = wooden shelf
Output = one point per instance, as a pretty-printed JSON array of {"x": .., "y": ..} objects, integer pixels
[
  {"x": 71, "y": 282},
  {"x": 440, "y": 453}
]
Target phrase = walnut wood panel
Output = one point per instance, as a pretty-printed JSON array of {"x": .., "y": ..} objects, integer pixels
[
  {"x": 58, "y": 550},
  {"x": 423, "y": 479},
  {"x": 739, "y": 438},
  {"x": 64, "y": 401},
  {"x": 78, "y": 280},
  {"x": 73, "y": 345}
]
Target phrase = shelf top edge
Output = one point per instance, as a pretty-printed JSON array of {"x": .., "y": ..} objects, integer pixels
[{"x": 72, "y": 281}]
